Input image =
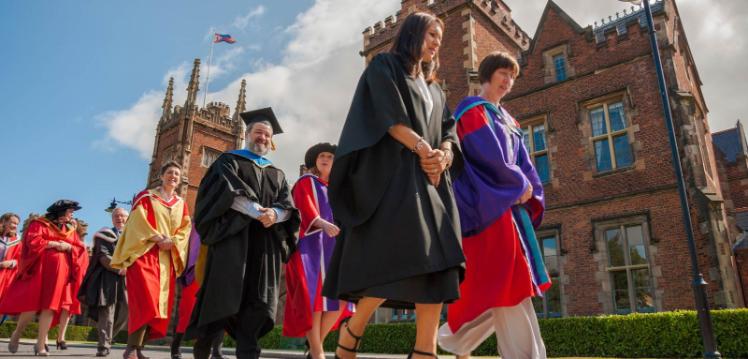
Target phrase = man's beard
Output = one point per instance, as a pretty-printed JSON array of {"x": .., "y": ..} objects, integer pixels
[{"x": 258, "y": 149}]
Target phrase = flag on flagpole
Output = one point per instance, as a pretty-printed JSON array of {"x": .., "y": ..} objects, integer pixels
[{"x": 223, "y": 38}]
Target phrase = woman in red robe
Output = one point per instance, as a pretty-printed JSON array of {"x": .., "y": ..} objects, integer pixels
[
  {"x": 10, "y": 250},
  {"x": 153, "y": 249},
  {"x": 52, "y": 257},
  {"x": 75, "y": 307}
]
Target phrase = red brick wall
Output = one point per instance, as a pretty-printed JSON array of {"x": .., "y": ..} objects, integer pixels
[
  {"x": 668, "y": 248},
  {"x": 575, "y": 178},
  {"x": 737, "y": 177},
  {"x": 741, "y": 257},
  {"x": 204, "y": 136}
]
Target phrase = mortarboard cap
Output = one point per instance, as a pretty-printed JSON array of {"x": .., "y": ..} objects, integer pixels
[
  {"x": 63, "y": 205},
  {"x": 263, "y": 114}
]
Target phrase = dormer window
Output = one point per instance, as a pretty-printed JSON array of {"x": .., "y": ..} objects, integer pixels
[
  {"x": 556, "y": 61},
  {"x": 559, "y": 66}
]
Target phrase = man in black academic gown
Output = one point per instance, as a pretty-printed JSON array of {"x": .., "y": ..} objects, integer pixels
[
  {"x": 103, "y": 287},
  {"x": 247, "y": 223}
]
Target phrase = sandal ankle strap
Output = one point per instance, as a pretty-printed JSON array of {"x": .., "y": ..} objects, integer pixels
[
  {"x": 348, "y": 329},
  {"x": 414, "y": 351},
  {"x": 357, "y": 338}
]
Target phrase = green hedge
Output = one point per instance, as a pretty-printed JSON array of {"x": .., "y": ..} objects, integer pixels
[{"x": 658, "y": 335}]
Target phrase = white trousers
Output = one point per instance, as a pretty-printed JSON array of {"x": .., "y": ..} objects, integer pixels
[{"x": 516, "y": 328}]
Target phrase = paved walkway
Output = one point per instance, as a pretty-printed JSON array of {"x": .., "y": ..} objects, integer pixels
[{"x": 88, "y": 350}]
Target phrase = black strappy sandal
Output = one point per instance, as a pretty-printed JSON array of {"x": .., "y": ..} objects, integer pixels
[
  {"x": 307, "y": 352},
  {"x": 354, "y": 336},
  {"x": 421, "y": 353}
]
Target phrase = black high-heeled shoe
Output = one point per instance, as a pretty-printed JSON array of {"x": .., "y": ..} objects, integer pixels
[
  {"x": 61, "y": 345},
  {"x": 421, "y": 353},
  {"x": 358, "y": 338},
  {"x": 307, "y": 350}
]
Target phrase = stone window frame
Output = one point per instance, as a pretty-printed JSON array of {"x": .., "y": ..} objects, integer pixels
[
  {"x": 561, "y": 278},
  {"x": 605, "y": 100},
  {"x": 205, "y": 151},
  {"x": 701, "y": 132},
  {"x": 531, "y": 123},
  {"x": 604, "y": 273},
  {"x": 551, "y": 76}
]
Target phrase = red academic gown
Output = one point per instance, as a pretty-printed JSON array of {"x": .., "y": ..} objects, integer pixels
[
  {"x": 151, "y": 273},
  {"x": 186, "y": 304},
  {"x": 47, "y": 279},
  {"x": 12, "y": 251}
]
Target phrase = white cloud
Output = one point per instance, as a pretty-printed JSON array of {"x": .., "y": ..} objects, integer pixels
[
  {"x": 310, "y": 89},
  {"x": 241, "y": 22},
  {"x": 135, "y": 127}
]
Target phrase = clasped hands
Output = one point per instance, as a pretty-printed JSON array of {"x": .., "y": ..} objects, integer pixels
[
  {"x": 433, "y": 162},
  {"x": 268, "y": 217},
  {"x": 60, "y": 246},
  {"x": 163, "y": 242}
]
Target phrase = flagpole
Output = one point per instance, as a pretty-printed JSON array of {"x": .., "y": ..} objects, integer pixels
[{"x": 207, "y": 75}]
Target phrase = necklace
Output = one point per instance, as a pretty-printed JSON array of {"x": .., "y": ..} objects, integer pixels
[{"x": 164, "y": 195}]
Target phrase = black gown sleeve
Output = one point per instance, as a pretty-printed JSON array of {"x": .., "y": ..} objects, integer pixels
[
  {"x": 367, "y": 157},
  {"x": 377, "y": 105},
  {"x": 214, "y": 218},
  {"x": 449, "y": 134},
  {"x": 285, "y": 232}
]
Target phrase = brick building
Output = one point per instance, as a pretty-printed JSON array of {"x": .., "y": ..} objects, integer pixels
[
  {"x": 194, "y": 136},
  {"x": 731, "y": 149},
  {"x": 588, "y": 100}
]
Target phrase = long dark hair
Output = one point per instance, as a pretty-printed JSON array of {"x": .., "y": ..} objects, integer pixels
[{"x": 409, "y": 43}]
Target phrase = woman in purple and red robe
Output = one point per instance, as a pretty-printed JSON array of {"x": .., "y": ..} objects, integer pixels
[
  {"x": 308, "y": 313},
  {"x": 500, "y": 199}
]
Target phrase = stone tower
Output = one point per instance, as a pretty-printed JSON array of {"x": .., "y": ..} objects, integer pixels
[{"x": 194, "y": 136}]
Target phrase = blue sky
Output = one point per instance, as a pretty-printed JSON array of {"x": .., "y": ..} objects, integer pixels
[
  {"x": 82, "y": 80},
  {"x": 67, "y": 64}
]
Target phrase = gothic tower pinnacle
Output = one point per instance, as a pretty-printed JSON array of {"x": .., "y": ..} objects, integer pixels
[
  {"x": 193, "y": 87},
  {"x": 241, "y": 105},
  {"x": 168, "y": 99}
]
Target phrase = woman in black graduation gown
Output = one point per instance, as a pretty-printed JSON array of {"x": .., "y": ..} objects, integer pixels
[{"x": 400, "y": 244}]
